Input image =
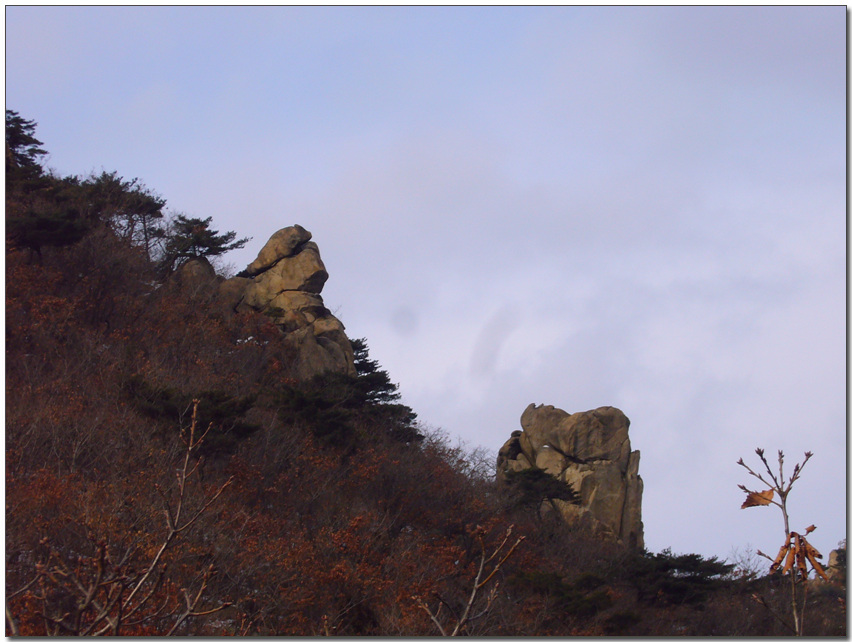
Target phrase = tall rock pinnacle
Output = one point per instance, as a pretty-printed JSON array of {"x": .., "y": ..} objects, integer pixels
[{"x": 591, "y": 452}]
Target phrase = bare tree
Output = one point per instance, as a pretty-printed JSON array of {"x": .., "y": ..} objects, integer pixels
[
  {"x": 795, "y": 553},
  {"x": 105, "y": 592},
  {"x": 483, "y": 577}
]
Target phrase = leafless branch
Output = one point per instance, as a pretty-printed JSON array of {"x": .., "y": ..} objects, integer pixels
[
  {"x": 107, "y": 595},
  {"x": 478, "y": 583}
]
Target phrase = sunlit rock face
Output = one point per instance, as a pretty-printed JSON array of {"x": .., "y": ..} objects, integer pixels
[
  {"x": 284, "y": 282},
  {"x": 591, "y": 452},
  {"x": 836, "y": 567}
]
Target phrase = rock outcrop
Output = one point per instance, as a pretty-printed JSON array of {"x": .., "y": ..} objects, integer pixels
[
  {"x": 591, "y": 452},
  {"x": 284, "y": 282},
  {"x": 836, "y": 567}
]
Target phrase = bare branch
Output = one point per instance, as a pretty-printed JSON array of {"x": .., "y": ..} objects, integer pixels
[
  {"x": 478, "y": 583},
  {"x": 105, "y": 596},
  {"x": 431, "y": 615}
]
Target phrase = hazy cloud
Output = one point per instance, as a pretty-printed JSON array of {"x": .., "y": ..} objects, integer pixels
[{"x": 581, "y": 206}]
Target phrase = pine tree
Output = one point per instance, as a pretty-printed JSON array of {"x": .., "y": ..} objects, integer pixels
[
  {"x": 23, "y": 150},
  {"x": 40, "y": 208},
  {"x": 131, "y": 210},
  {"x": 527, "y": 489},
  {"x": 193, "y": 238}
]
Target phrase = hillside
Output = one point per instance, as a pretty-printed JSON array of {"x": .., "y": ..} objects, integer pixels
[{"x": 178, "y": 463}]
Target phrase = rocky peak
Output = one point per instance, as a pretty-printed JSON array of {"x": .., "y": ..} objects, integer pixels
[
  {"x": 284, "y": 243},
  {"x": 591, "y": 452},
  {"x": 284, "y": 282}
]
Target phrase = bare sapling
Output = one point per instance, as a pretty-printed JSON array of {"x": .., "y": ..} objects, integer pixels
[
  {"x": 109, "y": 593},
  {"x": 796, "y": 554},
  {"x": 484, "y": 575}
]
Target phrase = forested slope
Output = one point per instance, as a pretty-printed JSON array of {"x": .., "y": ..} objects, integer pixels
[{"x": 167, "y": 473}]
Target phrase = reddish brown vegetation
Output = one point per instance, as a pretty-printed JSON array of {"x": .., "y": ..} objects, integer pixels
[{"x": 286, "y": 526}]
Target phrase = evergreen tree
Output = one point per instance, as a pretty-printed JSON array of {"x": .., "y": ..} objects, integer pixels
[
  {"x": 342, "y": 409},
  {"x": 374, "y": 383},
  {"x": 129, "y": 208},
  {"x": 527, "y": 489},
  {"x": 40, "y": 208},
  {"x": 52, "y": 219},
  {"x": 666, "y": 578},
  {"x": 378, "y": 393},
  {"x": 23, "y": 150},
  {"x": 223, "y": 412},
  {"x": 192, "y": 238}
]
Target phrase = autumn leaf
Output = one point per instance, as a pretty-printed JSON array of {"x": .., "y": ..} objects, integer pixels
[
  {"x": 811, "y": 550},
  {"x": 781, "y": 553},
  {"x": 801, "y": 558},
  {"x": 812, "y": 554},
  {"x": 791, "y": 558},
  {"x": 758, "y": 499},
  {"x": 816, "y": 565}
]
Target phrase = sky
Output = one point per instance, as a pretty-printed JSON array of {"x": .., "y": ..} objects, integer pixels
[{"x": 642, "y": 207}]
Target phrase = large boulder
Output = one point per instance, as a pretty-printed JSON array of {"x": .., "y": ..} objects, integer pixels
[
  {"x": 231, "y": 293},
  {"x": 590, "y": 451},
  {"x": 193, "y": 276},
  {"x": 282, "y": 244},
  {"x": 301, "y": 272},
  {"x": 284, "y": 282}
]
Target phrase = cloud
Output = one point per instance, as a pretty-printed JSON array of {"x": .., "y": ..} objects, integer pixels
[
  {"x": 491, "y": 339},
  {"x": 582, "y": 206}
]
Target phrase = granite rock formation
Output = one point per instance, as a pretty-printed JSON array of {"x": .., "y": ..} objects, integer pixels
[
  {"x": 591, "y": 452},
  {"x": 836, "y": 567},
  {"x": 284, "y": 282}
]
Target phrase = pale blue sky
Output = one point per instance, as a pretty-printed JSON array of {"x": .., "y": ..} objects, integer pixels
[{"x": 639, "y": 207}]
